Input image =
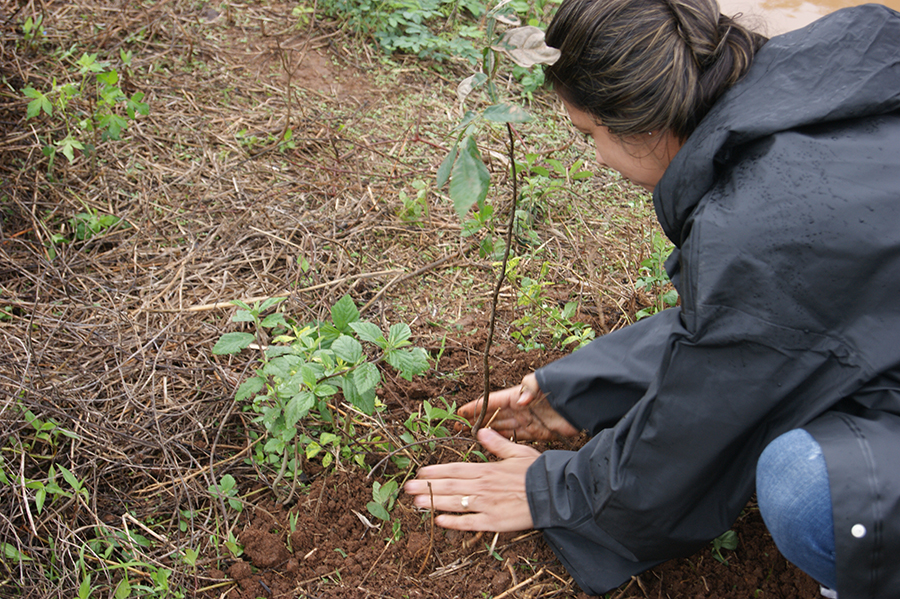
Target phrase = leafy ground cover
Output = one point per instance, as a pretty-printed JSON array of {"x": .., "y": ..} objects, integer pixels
[{"x": 161, "y": 160}]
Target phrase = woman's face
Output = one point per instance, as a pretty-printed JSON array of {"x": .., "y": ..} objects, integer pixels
[{"x": 641, "y": 161}]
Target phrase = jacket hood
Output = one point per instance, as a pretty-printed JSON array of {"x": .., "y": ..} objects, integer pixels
[{"x": 842, "y": 66}]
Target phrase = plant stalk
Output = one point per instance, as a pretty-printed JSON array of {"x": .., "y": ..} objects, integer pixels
[{"x": 494, "y": 300}]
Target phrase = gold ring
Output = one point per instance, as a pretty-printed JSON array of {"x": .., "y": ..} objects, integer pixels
[{"x": 464, "y": 502}]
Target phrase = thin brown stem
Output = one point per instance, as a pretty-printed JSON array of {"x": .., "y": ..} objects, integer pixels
[{"x": 496, "y": 297}]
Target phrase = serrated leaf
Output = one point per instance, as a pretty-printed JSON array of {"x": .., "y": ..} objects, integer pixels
[
  {"x": 526, "y": 47},
  {"x": 398, "y": 335},
  {"x": 298, "y": 407},
  {"x": 347, "y": 349},
  {"x": 273, "y": 320},
  {"x": 506, "y": 113},
  {"x": 325, "y": 390},
  {"x": 366, "y": 377},
  {"x": 443, "y": 172},
  {"x": 369, "y": 332},
  {"x": 408, "y": 362},
  {"x": 469, "y": 179},
  {"x": 308, "y": 375},
  {"x": 249, "y": 387},
  {"x": 365, "y": 401},
  {"x": 343, "y": 312},
  {"x": 232, "y": 343}
]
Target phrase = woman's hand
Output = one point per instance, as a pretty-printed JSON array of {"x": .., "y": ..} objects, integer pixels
[
  {"x": 488, "y": 496},
  {"x": 522, "y": 412}
]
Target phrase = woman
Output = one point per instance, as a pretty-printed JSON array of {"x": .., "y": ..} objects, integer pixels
[{"x": 775, "y": 170}]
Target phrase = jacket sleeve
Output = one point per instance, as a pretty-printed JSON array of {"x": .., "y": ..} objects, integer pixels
[
  {"x": 677, "y": 469},
  {"x": 595, "y": 386}
]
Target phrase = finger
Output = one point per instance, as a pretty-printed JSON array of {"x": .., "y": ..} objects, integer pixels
[
  {"x": 529, "y": 390},
  {"x": 498, "y": 445},
  {"x": 445, "y": 503}
]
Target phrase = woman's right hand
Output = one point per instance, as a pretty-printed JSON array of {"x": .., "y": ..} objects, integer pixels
[{"x": 523, "y": 412}]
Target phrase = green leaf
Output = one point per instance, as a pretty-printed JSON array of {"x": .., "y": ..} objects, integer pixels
[
  {"x": 398, "y": 335},
  {"x": 343, "y": 313},
  {"x": 443, "y": 172},
  {"x": 135, "y": 104},
  {"x": 366, "y": 377},
  {"x": 408, "y": 362},
  {"x": 70, "y": 478},
  {"x": 123, "y": 590},
  {"x": 365, "y": 401},
  {"x": 39, "y": 497},
  {"x": 378, "y": 510},
  {"x": 68, "y": 145},
  {"x": 273, "y": 320},
  {"x": 253, "y": 385},
  {"x": 272, "y": 301},
  {"x": 11, "y": 553},
  {"x": 243, "y": 316},
  {"x": 84, "y": 589},
  {"x": 469, "y": 178},
  {"x": 347, "y": 349},
  {"x": 369, "y": 332},
  {"x": 298, "y": 407},
  {"x": 506, "y": 113},
  {"x": 39, "y": 102},
  {"x": 232, "y": 343}
]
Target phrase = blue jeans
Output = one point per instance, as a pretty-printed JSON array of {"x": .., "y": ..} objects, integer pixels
[{"x": 795, "y": 501}]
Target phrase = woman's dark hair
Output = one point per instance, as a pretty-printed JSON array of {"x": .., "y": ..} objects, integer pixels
[{"x": 647, "y": 65}]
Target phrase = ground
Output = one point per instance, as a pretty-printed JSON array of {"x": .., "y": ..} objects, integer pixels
[{"x": 117, "y": 417}]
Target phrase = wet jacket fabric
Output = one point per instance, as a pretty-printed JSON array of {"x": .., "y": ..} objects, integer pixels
[{"x": 784, "y": 207}]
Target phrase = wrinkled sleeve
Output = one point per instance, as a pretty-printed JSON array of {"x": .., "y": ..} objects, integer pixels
[
  {"x": 677, "y": 469},
  {"x": 595, "y": 386}
]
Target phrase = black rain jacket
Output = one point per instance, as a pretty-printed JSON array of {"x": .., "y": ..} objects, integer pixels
[{"x": 784, "y": 207}]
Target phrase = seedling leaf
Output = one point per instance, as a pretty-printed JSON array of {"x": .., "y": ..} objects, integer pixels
[
  {"x": 443, "y": 172},
  {"x": 469, "y": 179},
  {"x": 347, "y": 349},
  {"x": 506, "y": 113},
  {"x": 369, "y": 332},
  {"x": 232, "y": 343},
  {"x": 378, "y": 510},
  {"x": 249, "y": 387},
  {"x": 343, "y": 313},
  {"x": 366, "y": 377}
]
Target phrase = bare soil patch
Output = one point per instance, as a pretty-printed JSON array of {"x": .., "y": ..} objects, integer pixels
[{"x": 106, "y": 368}]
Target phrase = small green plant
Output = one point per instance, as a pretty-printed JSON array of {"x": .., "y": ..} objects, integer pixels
[
  {"x": 728, "y": 540},
  {"x": 542, "y": 318},
  {"x": 32, "y": 30},
  {"x": 383, "y": 498},
  {"x": 305, "y": 369},
  {"x": 425, "y": 28},
  {"x": 226, "y": 489},
  {"x": 90, "y": 108},
  {"x": 653, "y": 278},
  {"x": 415, "y": 209}
]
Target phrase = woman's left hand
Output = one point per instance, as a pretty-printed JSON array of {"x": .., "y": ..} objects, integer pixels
[{"x": 488, "y": 496}]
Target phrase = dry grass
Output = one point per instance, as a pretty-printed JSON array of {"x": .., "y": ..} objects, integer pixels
[{"x": 109, "y": 339}]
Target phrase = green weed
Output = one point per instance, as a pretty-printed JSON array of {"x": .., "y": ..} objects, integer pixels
[
  {"x": 303, "y": 370},
  {"x": 653, "y": 278},
  {"x": 89, "y": 108}
]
